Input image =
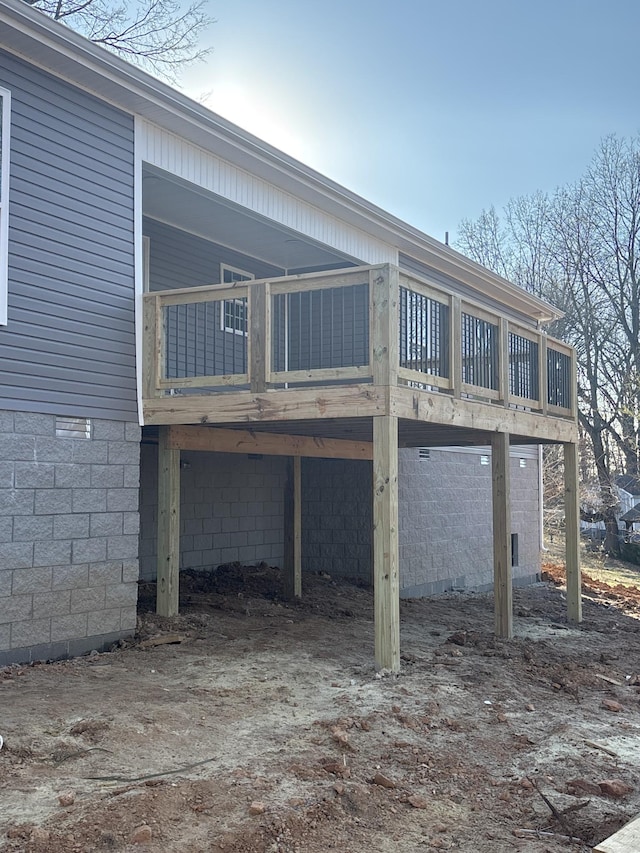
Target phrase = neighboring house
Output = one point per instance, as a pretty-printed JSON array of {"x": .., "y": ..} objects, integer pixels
[
  {"x": 628, "y": 492},
  {"x": 627, "y": 488},
  {"x": 276, "y": 337}
]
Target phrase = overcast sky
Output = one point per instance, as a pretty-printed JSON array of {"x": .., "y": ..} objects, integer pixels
[{"x": 432, "y": 109}]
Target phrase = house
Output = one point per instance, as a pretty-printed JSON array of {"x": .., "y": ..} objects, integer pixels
[
  {"x": 210, "y": 352},
  {"x": 628, "y": 488}
]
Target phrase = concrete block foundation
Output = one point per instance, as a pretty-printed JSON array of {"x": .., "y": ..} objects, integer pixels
[
  {"x": 68, "y": 536},
  {"x": 232, "y": 509}
]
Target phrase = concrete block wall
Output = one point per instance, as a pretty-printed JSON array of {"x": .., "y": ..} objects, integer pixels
[
  {"x": 445, "y": 518},
  {"x": 231, "y": 509},
  {"x": 337, "y": 517},
  {"x": 444, "y": 515},
  {"x": 68, "y": 536}
]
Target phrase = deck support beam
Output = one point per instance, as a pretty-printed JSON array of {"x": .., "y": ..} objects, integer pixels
[
  {"x": 502, "y": 584},
  {"x": 293, "y": 529},
  {"x": 168, "y": 582},
  {"x": 386, "y": 582},
  {"x": 572, "y": 533}
]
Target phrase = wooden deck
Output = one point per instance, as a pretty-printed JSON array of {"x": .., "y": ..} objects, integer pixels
[
  {"x": 431, "y": 359},
  {"x": 354, "y": 364}
]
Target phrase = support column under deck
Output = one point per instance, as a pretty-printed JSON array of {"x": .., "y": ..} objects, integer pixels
[
  {"x": 386, "y": 580},
  {"x": 293, "y": 529},
  {"x": 572, "y": 533},
  {"x": 168, "y": 583},
  {"x": 502, "y": 584}
]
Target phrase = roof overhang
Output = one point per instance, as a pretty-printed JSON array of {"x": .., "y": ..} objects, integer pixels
[{"x": 57, "y": 49}]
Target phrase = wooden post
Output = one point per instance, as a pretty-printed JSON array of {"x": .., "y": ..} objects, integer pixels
[
  {"x": 293, "y": 529},
  {"x": 259, "y": 336},
  {"x": 503, "y": 361},
  {"x": 168, "y": 587},
  {"x": 149, "y": 354},
  {"x": 455, "y": 343},
  {"x": 572, "y": 533},
  {"x": 502, "y": 586},
  {"x": 385, "y": 324},
  {"x": 386, "y": 582},
  {"x": 573, "y": 384},
  {"x": 543, "y": 385}
]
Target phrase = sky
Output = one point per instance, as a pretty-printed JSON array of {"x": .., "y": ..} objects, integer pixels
[{"x": 431, "y": 109}]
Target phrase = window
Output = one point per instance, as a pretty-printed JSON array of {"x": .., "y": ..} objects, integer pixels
[
  {"x": 5, "y": 119},
  {"x": 233, "y": 316}
]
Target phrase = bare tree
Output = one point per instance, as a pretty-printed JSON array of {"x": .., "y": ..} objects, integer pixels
[
  {"x": 580, "y": 249},
  {"x": 590, "y": 325},
  {"x": 160, "y": 35},
  {"x": 613, "y": 181},
  {"x": 488, "y": 242}
]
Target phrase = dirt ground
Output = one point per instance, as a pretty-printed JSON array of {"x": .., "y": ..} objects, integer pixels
[{"x": 266, "y": 727}]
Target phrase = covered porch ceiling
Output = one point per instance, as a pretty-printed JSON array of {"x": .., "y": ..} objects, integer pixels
[{"x": 190, "y": 208}]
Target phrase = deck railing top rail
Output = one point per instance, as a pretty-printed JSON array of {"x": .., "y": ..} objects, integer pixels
[{"x": 373, "y": 324}]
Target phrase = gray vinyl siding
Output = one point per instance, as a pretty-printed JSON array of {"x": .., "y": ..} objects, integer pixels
[
  {"x": 326, "y": 329},
  {"x": 69, "y": 346},
  {"x": 410, "y": 264},
  {"x": 179, "y": 259},
  {"x": 196, "y": 342}
]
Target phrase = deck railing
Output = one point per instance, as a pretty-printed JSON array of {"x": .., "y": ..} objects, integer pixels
[{"x": 366, "y": 324}]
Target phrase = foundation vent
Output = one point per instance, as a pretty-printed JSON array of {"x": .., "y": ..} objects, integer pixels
[
  {"x": 424, "y": 453},
  {"x": 73, "y": 427}
]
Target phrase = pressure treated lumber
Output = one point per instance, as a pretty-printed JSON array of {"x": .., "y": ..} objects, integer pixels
[
  {"x": 503, "y": 363},
  {"x": 572, "y": 533},
  {"x": 384, "y": 297},
  {"x": 340, "y": 401},
  {"x": 317, "y": 375},
  {"x": 259, "y": 336},
  {"x": 349, "y": 401},
  {"x": 168, "y": 585},
  {"x": 386, "y": 582},
  {"x": 150, "y": 349},
  {"x": 293, "y": 530},
  {"x": 626, "y": 840},
  {"x": 214, "y": 439},
  {"x": 455, "y": 345},
  {"x": 502, "y": 585},
  {"x": 415, "y": 404}
]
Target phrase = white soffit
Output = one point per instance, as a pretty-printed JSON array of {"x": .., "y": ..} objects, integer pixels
[
  {"x": 190, "y": 163},
  {"x": 195, "y": 210}
]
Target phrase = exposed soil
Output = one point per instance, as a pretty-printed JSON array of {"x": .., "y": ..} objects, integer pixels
[{"x": 259, "y": 725}]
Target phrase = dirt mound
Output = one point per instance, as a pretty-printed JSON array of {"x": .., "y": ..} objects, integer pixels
[
  {"x": 234, "y": 579},
  {"x": 628, "y": 597}
]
